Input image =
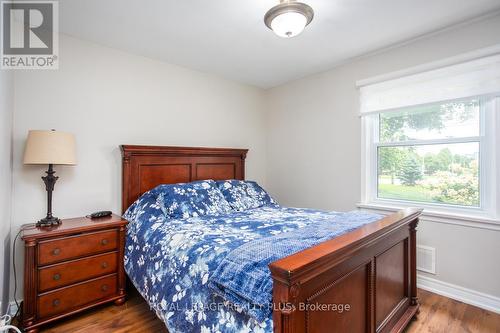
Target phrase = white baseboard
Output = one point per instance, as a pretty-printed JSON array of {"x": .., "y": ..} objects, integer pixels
[{"x": 469, "y": 296}]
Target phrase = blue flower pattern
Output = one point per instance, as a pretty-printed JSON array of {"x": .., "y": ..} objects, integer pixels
[
  {"x": 243, "y": 195},
  {"x": 185, "y": 200},
  {"x": 171, "y": 252}
]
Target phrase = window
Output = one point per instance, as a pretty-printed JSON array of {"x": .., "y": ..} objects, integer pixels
[
  {"x": 437, "y": 154},
  {"x": 430, "y": 154},
  {"x": 440, "y": 154}
]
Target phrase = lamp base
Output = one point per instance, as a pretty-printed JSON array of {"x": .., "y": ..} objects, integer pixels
[{"x": 48, "y": 222}]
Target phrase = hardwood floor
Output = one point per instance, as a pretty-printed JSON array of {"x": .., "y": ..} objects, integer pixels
[
  {"x": 441, "y": 314},
  {"x": 438, "y": 314}
]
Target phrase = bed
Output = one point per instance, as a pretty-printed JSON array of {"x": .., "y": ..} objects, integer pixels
[{"x": 361, "y": 280}]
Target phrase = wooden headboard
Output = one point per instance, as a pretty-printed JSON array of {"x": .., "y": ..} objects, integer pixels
[{"x": 144, "y": 167}]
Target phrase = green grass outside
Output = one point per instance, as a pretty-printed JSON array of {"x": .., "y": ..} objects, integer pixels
[{"x": 413, "y": 193}]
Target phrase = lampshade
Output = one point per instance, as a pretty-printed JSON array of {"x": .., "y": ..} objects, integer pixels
[{"x": 50, "y": 147}]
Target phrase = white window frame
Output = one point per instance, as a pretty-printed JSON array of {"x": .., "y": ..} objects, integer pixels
[{"x": 488, "y": 161}]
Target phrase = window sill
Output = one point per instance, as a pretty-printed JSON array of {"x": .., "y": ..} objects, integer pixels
[{"x": 472, "y": 221}]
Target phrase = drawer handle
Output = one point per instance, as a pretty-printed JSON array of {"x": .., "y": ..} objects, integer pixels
[
  {"x": 56, "y": 251},
  {"x": 104, "y": 265},
  {"x": 104, "y": 287},
  {"x": 104, "y": 241},
  {"x": 57, "y": 276},
  {"x": 56, "y": 302}
]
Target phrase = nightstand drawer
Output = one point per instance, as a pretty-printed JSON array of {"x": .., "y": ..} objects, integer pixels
[
  {"x": 66, "y": 273},
  {"x": 56, "y": 250},
  {"x": 70, "y": 298}
]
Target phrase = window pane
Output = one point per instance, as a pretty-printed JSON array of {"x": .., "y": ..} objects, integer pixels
[
  {"x": 438, "y": 121},
  {"x": 444, "y": 173}
]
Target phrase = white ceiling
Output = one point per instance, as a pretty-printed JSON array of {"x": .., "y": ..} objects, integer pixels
[{"x": 229, "y": 38}]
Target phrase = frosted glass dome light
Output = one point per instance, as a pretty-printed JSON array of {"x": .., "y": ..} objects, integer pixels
[
  {"x": 289, "y": 18},
  {"x": 289, "y": 24}
]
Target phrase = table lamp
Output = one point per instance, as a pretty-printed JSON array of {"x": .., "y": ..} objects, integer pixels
[{"x": 50, "y": 147}]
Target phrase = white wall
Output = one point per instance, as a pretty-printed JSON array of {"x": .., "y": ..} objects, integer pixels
[
  {"x": 6, "y": 110},
  {"x": 107, "y": 98},
  {"x": 314, "y": 149}
]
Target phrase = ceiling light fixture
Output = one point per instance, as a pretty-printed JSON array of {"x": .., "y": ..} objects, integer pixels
[{"x": 289, "y": 18}]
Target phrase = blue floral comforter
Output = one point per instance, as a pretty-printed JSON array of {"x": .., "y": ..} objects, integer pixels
[
  {"x": 243, "y": 276},
  {"x": 170, "y": 261}
]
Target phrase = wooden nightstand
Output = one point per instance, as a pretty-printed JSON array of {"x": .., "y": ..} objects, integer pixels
[{"x": 72, "y": 267}]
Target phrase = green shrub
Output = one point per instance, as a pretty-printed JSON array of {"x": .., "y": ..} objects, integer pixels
[{"x": 456, "y": 188}]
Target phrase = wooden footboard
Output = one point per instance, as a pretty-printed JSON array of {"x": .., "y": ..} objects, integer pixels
[{"x": 363, "y": 281}]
